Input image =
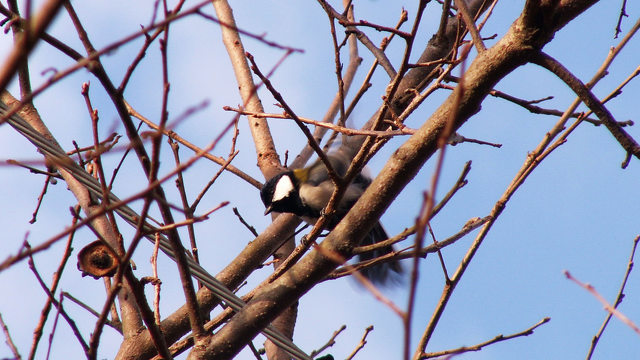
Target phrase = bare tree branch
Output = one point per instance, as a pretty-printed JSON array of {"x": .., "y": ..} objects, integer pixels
[
  {"x": 626, "y": 141},
  {"x": 511, "y": 51},
  {"x": 479, "y": 347},
  {"x": 619, "y": 297}
]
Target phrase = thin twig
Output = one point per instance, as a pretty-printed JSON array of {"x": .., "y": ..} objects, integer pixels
[
  {"x": 362, "y": 343},
  {"x": 8, "y": 339},
  {"x": 619, "y": 298},
  {"x": 623, "y": 14},
  {"x": 34, "y": 170},
  {"x": 175, "y": 136},
  {"x": 329, "y": 343},
  {"x": 204, "y": 190},
  {"x": 375, "y": 26},
  {"x": 481, "y": 345},
  {"x": 338, "y": 64},
  {"x": 58, "y": 305},
  {"x": 114, "y": 324},
  {"x": 54, "y": 327},
  {"x": 157, "y": 284},
  {"x": 96, "y": 157},
  {"x": 40, "y": 198},
  {"x": 337, "y": 128},
  {"x": 608, "y": 307},
  {"x": 188, "y": 213},
  {"x": 375, "y": 51},
  {"x": 244, "y": 222},
  {"x": 456, "y": 139}
]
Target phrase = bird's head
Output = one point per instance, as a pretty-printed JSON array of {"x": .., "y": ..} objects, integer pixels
[{"x": 280, "y": 193}]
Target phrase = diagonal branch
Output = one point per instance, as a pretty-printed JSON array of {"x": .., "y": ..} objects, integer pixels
[
  {"x": 627, "y": 142},
  {"x": 619, "y": 298}
]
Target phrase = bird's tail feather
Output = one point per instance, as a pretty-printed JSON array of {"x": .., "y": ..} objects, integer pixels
[{"x": 382, "y": 273}]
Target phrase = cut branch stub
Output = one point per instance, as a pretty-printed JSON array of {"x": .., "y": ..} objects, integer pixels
[{"x": 97, "y": 260}]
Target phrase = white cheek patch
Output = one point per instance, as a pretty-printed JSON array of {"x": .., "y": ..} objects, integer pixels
[{"x": 284, "y": 187}]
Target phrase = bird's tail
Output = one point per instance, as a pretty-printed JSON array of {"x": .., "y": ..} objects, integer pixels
[{"x": 382, "y": 273}]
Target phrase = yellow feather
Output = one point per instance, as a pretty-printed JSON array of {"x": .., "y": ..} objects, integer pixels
[{"x": 301, "y": 174}]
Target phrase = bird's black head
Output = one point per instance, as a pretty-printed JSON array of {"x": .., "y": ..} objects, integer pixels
[{"x": 280, "y": 194}]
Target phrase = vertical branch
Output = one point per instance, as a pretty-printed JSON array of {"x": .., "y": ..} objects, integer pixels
[
  {"x": 618, "y": 301},
  {"x": 97, "y": 154},
  {"x": 156, "y": 280},
  {"x": 268, "y": 160},
  {"x": 195, "y": 318},
  {"x": 188, "y": 210},
  {"x": 23, "y": 69}
]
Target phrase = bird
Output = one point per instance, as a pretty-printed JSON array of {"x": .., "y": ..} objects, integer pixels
[{"x": 306, "y": 191}]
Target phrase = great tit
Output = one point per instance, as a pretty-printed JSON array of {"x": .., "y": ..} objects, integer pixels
[{"x": 305, "y": 192}]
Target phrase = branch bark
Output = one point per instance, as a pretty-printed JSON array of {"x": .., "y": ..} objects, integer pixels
[{"x": 268, "y": 159}]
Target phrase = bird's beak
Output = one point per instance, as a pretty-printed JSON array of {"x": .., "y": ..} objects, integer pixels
[{"x": 267, "y": 210}]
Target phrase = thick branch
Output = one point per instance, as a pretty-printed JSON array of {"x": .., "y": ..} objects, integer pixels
[{"x": 268, "y": 159}]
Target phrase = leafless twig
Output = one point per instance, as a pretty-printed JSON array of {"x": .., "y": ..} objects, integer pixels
[
  {"x": 607, "y": 306},
  {"x": 481, "y": 345},
  {"x": 329, "y": 343},
  {"x": 9, "y": 341},
  {"x": 244, "y": 222},
  {"x": 362, "y": 343},
  {"x": 58, "y": 305},
  {"x": 623, "y": 14},
  {"x": 619, "y": 298},
  {"x": 337, "y": 128}
]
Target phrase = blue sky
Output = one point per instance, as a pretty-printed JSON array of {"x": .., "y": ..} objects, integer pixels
[{"x": 578, "y": 211}]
